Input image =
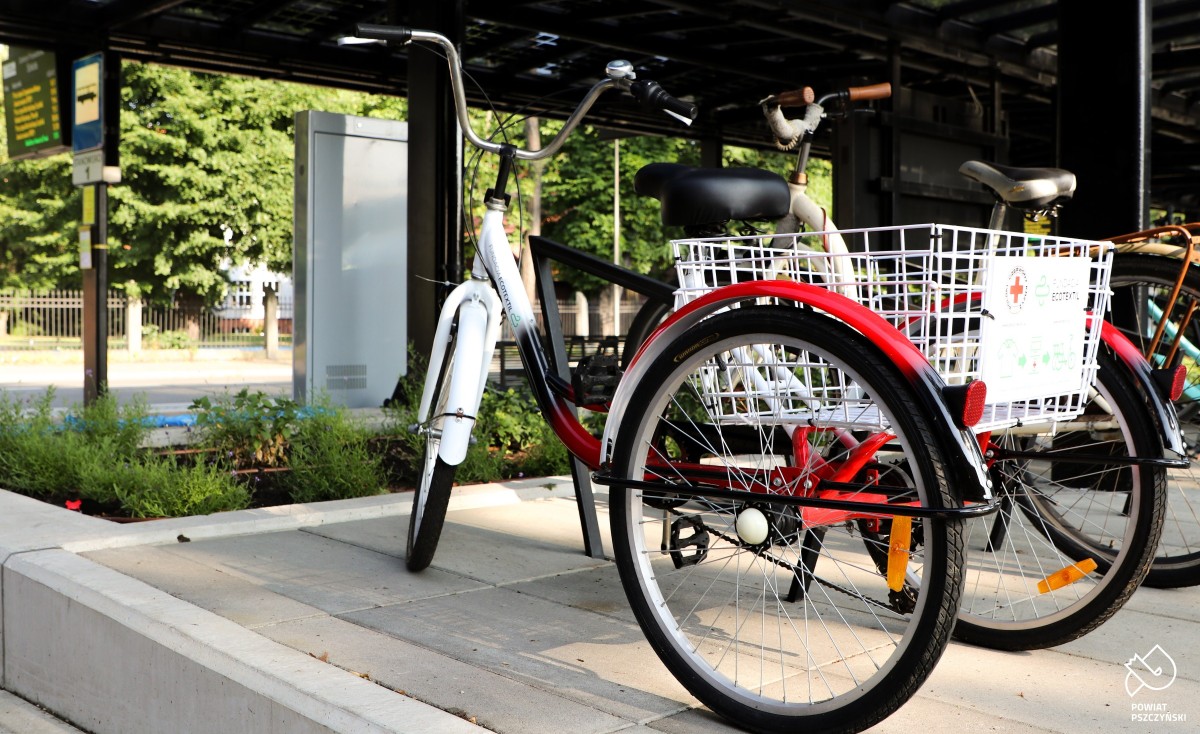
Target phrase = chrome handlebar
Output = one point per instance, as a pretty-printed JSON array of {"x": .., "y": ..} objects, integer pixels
[{"x": 620, "y": 76}]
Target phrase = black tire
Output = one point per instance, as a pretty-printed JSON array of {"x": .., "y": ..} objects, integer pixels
[
  {"x": 837, "y": 605},
  {"x": 1138, "y": 280},
  {"x": 432, "y": 495},
  {"x": 1058, "y": 513},
  {"x": 645, "y": 321}
]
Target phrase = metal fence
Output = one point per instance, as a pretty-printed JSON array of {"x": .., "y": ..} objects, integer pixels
[{"x": 54, "y": 320}]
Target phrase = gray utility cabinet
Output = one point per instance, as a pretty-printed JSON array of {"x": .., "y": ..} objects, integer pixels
[{"x": 350, "y": 258}]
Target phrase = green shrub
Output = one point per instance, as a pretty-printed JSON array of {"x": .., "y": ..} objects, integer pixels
[
  {"x": 330, "y": 458},
  {"x": 511, "y": 436},
  {"x": 45, "y": 455},
  {"x": 545, "y": 455},
  {"x": 96, "y": 452},
  {"x": 126, "y": 425},
  {"x": 25, "y": 328},
  {"x": 159, "y": 487},
  {"x": 155, "y": 338},
  {"x": 252, "y": 429},
  {"x": 508, "y": 419}
]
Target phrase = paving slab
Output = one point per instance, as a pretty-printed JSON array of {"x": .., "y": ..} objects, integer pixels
[
  {"x": 595, "y": 660},
  {"x": 18, "y": 716},
  {"x": 514, "y": 628},
  {"x": 494, "y": 699},
  {"x": 496, "y": 545}
]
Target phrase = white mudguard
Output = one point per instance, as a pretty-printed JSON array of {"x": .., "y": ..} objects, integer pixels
[{"x": 469, "y": 372}]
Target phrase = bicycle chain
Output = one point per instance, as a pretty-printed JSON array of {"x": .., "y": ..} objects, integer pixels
[{"x": 761, "y": 553}]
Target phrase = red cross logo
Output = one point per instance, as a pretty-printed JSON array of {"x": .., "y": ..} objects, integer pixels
[{"x": 1016, "y": 289}]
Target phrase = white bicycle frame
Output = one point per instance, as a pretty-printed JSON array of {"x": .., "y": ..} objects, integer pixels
[
  {"x": 472, "y": 312},
  {"x": 476, "y": 308}
]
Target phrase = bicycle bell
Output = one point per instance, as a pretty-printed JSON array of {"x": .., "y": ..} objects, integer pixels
[{"x": 620, "y": 69}]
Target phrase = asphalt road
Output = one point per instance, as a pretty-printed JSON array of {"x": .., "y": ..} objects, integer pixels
[{"x": 165, "y": 384}]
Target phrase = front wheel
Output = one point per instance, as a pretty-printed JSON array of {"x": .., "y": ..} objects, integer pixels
[
  {"x": 431, "y": 498},
  {"x": 782, "y": 618}
]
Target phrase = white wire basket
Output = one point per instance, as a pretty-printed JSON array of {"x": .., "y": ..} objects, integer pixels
[{"x": 1009, "y": 308}]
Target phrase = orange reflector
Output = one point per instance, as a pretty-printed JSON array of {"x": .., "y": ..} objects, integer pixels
[
  {"x": 898, "y": 552},
  {"x": 1068, "y": 575}
]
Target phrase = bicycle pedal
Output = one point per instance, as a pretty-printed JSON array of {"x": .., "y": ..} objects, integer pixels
[
  {"x": 680, "y": 543},
  {"x": 595, "y": 379}
]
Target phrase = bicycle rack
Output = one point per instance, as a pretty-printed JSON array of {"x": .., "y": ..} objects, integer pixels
[{"x": 544, "y": 251}]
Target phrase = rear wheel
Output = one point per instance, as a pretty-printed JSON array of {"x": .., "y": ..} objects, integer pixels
[
  {"x": 1142, "y": 285},
  {"x": 775, "y": 616},
  {"x": 1074, "y": 535}
]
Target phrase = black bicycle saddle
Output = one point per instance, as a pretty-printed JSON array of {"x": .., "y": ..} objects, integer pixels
[
  {"x": 1025, "y": 188},
  {"x": 693, "y": 196}
]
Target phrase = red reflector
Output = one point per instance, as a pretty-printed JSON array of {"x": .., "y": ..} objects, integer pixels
[
  {"x": 1177, "y": 381},
  {"x": 966, "y": 402},
  {"x": 972, "y": 409},
  {"x": 1169, "y": 381}
]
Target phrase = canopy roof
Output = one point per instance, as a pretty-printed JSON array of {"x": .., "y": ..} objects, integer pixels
[{"x": 540, "y": 55}]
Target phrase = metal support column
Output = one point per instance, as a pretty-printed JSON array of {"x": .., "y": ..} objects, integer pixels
[
  {"x": 1104, "y": 115},
  {"x": 434, "y": 171},
  {"x": 95, "y": 277}
]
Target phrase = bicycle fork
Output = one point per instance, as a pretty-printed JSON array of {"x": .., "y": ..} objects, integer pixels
[{"x": 473, "y": 310}]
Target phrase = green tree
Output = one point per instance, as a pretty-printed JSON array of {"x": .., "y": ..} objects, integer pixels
[
  {"x": 207, "y": 177},
  {"x": 578, "y": 190},
  {"x": 579, "y": 197},
  {"x": 207, "y": 162},
  {"x": 40, "y": 210},
  {"x": 207, "y": 166}
]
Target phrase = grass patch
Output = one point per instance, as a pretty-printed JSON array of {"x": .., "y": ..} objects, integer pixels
[{"x": 252, "y": 449}]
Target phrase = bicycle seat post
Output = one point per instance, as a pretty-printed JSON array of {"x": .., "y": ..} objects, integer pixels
[{"x": 999, "y": 212}]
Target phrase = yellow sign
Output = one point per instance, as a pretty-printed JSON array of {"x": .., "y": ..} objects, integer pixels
[
  {"x": 89, "y": 205},
  {"x": 1040, "y": 227}
]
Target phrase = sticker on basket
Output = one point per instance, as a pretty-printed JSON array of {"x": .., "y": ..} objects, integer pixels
[{"x": 1032, "y": 341}]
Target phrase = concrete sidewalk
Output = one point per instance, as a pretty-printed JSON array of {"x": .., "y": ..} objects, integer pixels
[{"x": 303, "y": 619}]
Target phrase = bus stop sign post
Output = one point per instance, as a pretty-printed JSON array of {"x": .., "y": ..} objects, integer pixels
[{"x": 95, "y": 152}]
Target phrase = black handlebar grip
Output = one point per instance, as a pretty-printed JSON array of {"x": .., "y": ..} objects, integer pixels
[
  {"x": 655, "y": 97},
  {"x": 398, "y": 33}
]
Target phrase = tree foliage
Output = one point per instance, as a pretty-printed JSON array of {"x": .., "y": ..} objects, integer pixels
[
  {"x": 578, "y": 196},
  {"x": 207, "y": 167},
  {"x": 40, "y": 210},
  {"x": 207, "y": 180}
]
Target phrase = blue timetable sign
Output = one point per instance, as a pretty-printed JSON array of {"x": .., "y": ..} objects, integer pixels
[{"x": 88, "y": 120}]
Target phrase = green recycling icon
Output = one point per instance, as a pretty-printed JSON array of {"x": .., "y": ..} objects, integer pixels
[{"x": 1042, "y": 290}]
